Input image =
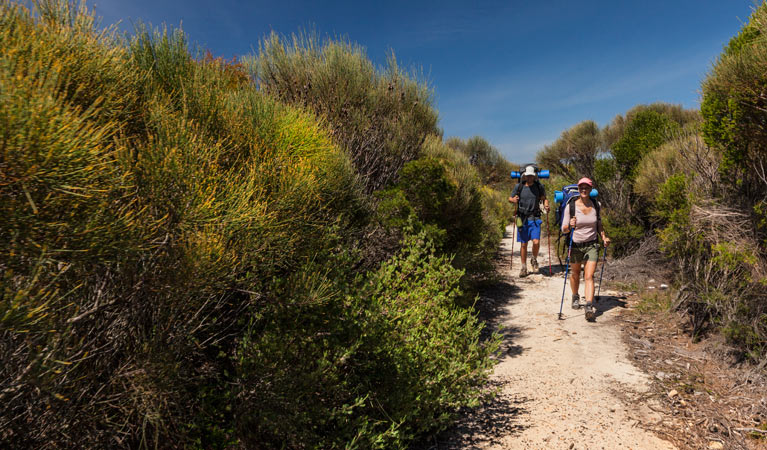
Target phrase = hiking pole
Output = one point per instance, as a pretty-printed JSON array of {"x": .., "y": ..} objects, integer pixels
[
  {"x": 548, "y": 239},
  {"x": 513, "y": 229},
  {"x": 604, "y": 260},
  {"x": 567, "y": 270}
]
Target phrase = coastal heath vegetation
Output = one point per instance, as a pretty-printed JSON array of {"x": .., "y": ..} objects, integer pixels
[
  {"x": 696, "y": 181},
  {"x": 188, "y": 254}
]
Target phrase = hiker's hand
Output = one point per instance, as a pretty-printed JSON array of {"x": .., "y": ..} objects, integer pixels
[
  {"x": 546, "y": 207},
  {"x": 514, "y": 199},
  {"x": 572, "y": 222},
  {"x": 606, "y": 240}
]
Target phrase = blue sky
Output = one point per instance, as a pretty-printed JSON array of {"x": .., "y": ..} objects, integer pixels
[{"x": 517, "y": 72}]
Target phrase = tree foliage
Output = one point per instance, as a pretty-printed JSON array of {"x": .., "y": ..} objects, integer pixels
[
  {"x": 379, "y": 117},
  {"x": 181, "y": 253},
  {"x": 734, "y": 105},
  {"x": 646, "y": 131},
  {"x": 575, "y": 152}
]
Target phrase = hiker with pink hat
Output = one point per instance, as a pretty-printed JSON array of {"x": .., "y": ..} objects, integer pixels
[{"x": 587, "y": 227}]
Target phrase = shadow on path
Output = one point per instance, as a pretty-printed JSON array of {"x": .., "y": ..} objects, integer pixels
[
  {"x": 484, "y": 425},
  {"x": 496, "y": 417},
  {"x": 607, "y": 302}
]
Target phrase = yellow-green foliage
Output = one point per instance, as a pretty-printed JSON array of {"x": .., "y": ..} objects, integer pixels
[
  {"x": 733, "y": 106},
  {"x": 379, "y": 117},
  {"x": 476, "y": 214},
  {"x": 177, "y": 261},
  {"x": 491, "y": 166}
]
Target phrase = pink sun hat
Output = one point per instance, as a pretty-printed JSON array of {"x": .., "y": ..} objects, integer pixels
[{"x": 585, "y": 180}]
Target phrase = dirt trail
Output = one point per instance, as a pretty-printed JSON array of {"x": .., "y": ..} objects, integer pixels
[{"x": 563, "y": 383}]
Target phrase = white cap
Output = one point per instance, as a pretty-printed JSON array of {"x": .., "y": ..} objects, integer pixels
[{"x": 529, "y": 170}]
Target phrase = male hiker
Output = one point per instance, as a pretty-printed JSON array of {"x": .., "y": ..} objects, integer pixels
[{"x": 528, "y": 194}]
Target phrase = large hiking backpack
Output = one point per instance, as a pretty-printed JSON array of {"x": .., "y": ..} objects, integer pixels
[
  {"x": 562, "y": 199},
  {"x": 566, "y": 199}
]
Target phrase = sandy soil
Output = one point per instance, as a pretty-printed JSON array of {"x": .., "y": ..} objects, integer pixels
[{"x": 563, "y": 384}]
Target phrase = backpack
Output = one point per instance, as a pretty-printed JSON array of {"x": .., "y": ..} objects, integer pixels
[
  {"x": 537, "y": 189},
  {"x": 566, "y": 198}
]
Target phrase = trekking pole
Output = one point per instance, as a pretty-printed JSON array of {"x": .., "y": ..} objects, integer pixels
[
  {"x": 567, "y": 270},
  {"x": 513, "y": 229},
  {"x": 548, "y": 239},
  {"x": 604, "y": 260}
]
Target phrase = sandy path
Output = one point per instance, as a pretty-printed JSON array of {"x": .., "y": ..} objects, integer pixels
[{"x": 561, "y": 381}]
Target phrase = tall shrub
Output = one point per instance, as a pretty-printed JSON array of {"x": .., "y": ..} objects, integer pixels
[
  {"x": 734, "y": 106},
  {"x": 379, "y": 117},
  {"x": 177, "y": 261}
]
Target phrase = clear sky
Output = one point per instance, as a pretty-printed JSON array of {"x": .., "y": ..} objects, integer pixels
[{"x": 517, "y": 72}]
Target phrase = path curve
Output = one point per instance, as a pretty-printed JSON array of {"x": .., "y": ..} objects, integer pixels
[{"x": 564, "y": 384}]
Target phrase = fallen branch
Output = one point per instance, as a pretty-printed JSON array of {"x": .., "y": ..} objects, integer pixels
[{"x": 750, "y": 430}]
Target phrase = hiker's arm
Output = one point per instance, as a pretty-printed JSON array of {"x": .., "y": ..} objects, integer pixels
[
  {"x": 514, "y": 195},
  {"x": 605, "y": 239},
  {"x": 542, "y": 197},
  {"x": 566, "y": 221}
]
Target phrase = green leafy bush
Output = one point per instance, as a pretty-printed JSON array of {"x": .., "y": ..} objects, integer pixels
[
  {"x": 441, "y": 195},
  {"x": 646, "y": 131},
  {"x": 575, "y": 152},
  {"x": 179, "y": 261},
  {"x": 492, "y": 167},
  {"x": 732, "y": 106},
  {"x": 379, "y": 117}
]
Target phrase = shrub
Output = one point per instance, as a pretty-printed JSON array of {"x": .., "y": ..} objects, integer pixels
[
  {"x": 671, "y": 197},
  {"x": 575, "y": 152},
  {"x": 492, "y": 167},
  {"x": 379, "y": 117},
  {"x": 393, "y": 360},
  {"x": 179, "y": 261},
  {"x": 733, "y": 108},
  {"x": 645, "y": 132},
  {"x": 441, "y": 194}
]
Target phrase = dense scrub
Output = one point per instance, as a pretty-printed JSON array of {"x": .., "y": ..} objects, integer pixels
[
  {"x": 697, "y": 181},
  {"x": 612, "y": 157},
  {"x": 182, "y": 261},
  {"x": 379, "y": 118}
]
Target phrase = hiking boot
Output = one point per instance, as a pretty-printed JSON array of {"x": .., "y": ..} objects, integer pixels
[
  {"x": 576, "y": 301},
  {"x": 591, "y": 312},
  {"x": 534, "y": 264},
  {"x": 523, "y": 271}
]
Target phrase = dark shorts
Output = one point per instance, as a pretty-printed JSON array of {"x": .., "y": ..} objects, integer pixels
[
  {"x": 589, "y": 252},
  {"x": 529, "y": 231}
]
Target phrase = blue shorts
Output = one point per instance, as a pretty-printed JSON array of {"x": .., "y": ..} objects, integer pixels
[{"x": 529, "y": 231}]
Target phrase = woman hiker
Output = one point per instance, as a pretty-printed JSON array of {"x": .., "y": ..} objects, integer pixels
[
  {"x": 528, "y": 194},
  {"x": 587, "y": 225}
]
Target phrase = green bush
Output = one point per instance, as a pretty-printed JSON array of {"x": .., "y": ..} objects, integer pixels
[
  {"x": 492, "y": 167},
  {"x": 575, "y": 152},
  {"x": 625, "y": 234},
  {"x": 733, "y": 108},
  {"x": 671, "y": 197},
  {"x": 393, "y": 359},
  {"x": 646, "y": 131},
  {"x": 179, "y": 261},
  {"x": 379, "y": 117},
  {"x": 441, "y": 195}
]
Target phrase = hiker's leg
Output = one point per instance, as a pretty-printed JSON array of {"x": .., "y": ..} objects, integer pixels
[
  {"x": 575, "y": 276},
  {"x": 523, "y": 252},
  {"x": 588, "y": 275},
  {"x": 535, "y": 235}
]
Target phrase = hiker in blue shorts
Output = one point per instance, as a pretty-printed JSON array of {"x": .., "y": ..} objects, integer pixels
[{"x": 528, "y": 195}]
